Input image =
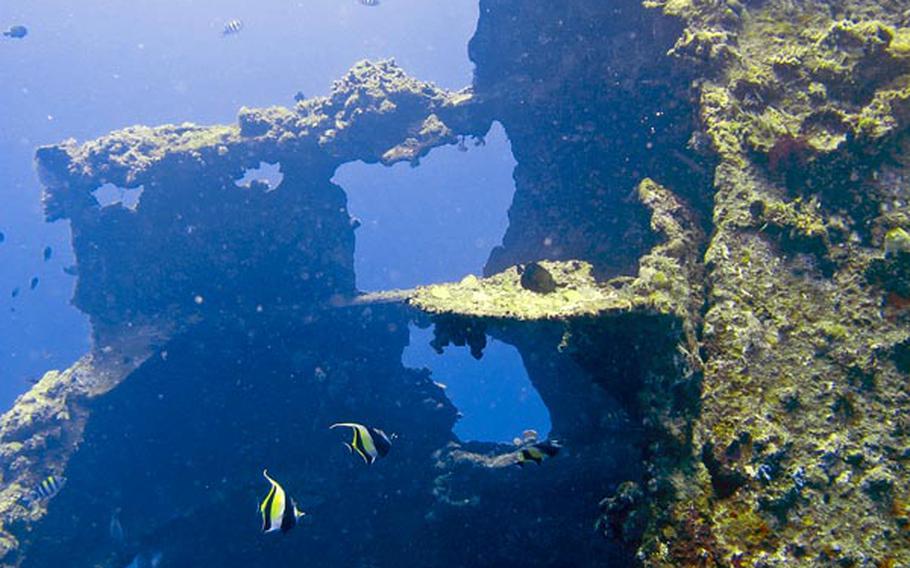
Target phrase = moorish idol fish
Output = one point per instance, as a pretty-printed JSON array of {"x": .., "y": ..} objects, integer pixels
[
  {"x": 370, "y": 443},
  {"x": 279, "y": 512},
  {"x": 538, "y": 451},
  {"x": 48, "y": 488},
  {"x": 232, "y": 27}
]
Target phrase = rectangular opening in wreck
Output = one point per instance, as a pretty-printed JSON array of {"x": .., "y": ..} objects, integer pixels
[
  {"x": 434, "y": 223},
  {"x": 494, "y": 395},
  {"x": 265, "y": 176},
  {"x": 109, "y": 194}
]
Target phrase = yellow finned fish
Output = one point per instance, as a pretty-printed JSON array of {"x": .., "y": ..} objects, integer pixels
[
  {"x": 370, "y": 443},
  {"x": 538, "y": 451},
  {"x": 279, "y": 512}
]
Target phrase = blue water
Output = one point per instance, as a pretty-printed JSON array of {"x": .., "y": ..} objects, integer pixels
[{"x": 90, "y": 67}]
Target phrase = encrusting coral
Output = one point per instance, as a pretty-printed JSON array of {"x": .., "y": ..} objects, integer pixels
[{"x": 801, "y": 424}]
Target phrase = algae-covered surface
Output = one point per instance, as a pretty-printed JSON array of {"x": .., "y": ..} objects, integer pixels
[
  {"x": 375, "y": 113},
  {"x": 662, "y": 285},
  {"x": 801, "y": 425}
]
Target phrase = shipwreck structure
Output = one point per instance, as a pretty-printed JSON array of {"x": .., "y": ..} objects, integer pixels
[{"x": 713, "y": 197}]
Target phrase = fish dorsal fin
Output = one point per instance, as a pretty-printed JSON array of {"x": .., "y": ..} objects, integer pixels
[{"x": 265, "y": 474}]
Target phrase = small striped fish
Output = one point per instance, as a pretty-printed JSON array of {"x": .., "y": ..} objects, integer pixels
[
  {"x": 369, "y": 2},
  {"x": 48, "y": 488},
  {"x": 279, "y": 512},
  {"x": 369, "y": 443},
  {"x": 232, "y": 27}
]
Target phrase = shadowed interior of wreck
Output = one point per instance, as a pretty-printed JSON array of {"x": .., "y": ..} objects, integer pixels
[{"x": 181, "y": 444}]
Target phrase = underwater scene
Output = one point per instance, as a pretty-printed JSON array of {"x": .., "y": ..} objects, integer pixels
[{"x": 462, "y": 283}]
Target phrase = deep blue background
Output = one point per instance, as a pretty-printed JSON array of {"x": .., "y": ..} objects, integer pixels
[{"x": 90, "y": 67}]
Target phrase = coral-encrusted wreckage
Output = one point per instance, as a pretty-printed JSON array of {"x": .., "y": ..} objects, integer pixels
[{"x": 709, "y": 239}]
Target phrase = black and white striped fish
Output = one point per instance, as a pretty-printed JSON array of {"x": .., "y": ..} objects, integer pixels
[
  {"x": 48, "y": 488},
  {"x": 368, "y": 2},
  {"x": 279, "y": 512},
  {"x": 369, "y": 443},
  {"x": 232, "y": 27}
]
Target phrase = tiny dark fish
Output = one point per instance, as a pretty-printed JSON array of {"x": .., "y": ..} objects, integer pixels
[
  {"x": 299, "y": 96},
  {"x": 48, "y": 253},
  {"x": 232, "y": 27},
  {"x": 368, "y": 2},
  {"x": 33, "y": 284},
  {"x": 16, "y": 32},
  {"x": 15, "y": 292},
  {"x": 536, "y": 278},
  {"x": 71, "y": 270},
  {"x": 2, "y": 237}
]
